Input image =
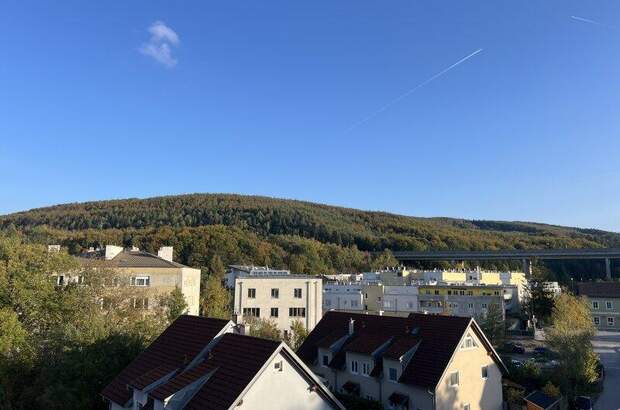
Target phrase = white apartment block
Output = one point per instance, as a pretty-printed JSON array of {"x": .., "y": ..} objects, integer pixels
[
  {"x": 236, "y": 271},
  {"x": 400, "y": 299},
  {"x": 343, "y": 296},
  {"x": 281, "y": 299}
]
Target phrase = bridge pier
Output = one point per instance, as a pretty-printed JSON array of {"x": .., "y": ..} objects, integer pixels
[
  {"x": 527, "y": 267},
  {"x": 608, "y": 268}
]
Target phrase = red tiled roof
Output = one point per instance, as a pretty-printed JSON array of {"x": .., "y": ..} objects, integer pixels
[
  {"x": 401, "y": 345},
  {"x": 237, "y": 359},
  {"x": 176, "y": 346},
  {"x": 366, "y": 343},
  {"x": 438, "y": 336},
  {"x": 599, "y": 289},
  {"x": 152, "y": 376}
]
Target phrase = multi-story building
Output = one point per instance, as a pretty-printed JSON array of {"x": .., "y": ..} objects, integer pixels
[
  {"x": 204, "y": 363},
  {"x": 281, "y": 299},
  {"x": 423, "y": 362},
  {"x": 343, "y": 296},
  {"x": 150, "y": 275},
  {"x": 461, "y": 300},
  {"x": 604, "y": 300},
  {"x": 400, "y": 300},
  {"x": 236, "y": 271}
]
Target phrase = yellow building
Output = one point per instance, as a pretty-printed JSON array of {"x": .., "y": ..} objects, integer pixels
[{"x": 153, "y": 275}]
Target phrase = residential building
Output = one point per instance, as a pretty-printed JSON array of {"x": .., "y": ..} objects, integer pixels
[
  {"x": 343, "y": 297},
  {"x": 279, "y": 298},
  {"x": 236, "y": 271},
  {"x": 205, "y": 363},
  {"x": 394, "y": 276},
  {"x": 400, "y": 299},
  {"x": 151, "y": 275},
  {"x": 461, "y": 300},
  {"x": 604, "y": 300},
  {"x": 424, "y": 362}
]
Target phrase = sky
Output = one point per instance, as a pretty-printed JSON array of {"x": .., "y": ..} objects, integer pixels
[{"x": 497, "y": 110}]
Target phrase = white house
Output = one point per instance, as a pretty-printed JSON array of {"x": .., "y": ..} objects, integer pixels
[{"x": 201, "y": 363}]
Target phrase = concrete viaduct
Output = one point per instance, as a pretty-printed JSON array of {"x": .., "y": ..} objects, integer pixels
[{"x": 525, "y": 255}]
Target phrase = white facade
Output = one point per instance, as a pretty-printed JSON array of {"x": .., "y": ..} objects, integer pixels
[
  {"x": 280, "y": 299},
  {"x": 400, "y": 298},
  {"x": 237, "y": 271},
  {"x": 343, "y": 296}
]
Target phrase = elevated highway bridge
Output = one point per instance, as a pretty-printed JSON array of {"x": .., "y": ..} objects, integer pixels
[{"x": 525, "y": 255}]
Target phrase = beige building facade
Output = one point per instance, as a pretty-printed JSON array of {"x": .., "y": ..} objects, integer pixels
[
  {"x": 280, "y": 299},
  {"x": 152, "y": 276}
]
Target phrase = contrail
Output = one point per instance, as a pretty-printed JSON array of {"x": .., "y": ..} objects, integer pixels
[
  {"x": 411, "y": 91},
  {"x": 585, "y": 20}
]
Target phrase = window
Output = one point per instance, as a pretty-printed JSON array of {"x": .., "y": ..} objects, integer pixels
[
  {"x": 140, "y": 303},
  {"x": 610, "y": 321},
  {"x": 454, "y": 379},
  {"x": 274, "y": 312},
  {"x": 393, "y": 374},
  {"x": 468, "y": 343},
  {"x": 325, "y": 360},
  {"x": 496, "y": 292},
  {"x": 470, "y": 293},
  {"x": 297, "y": 293},
  {"x": 436, "y": 292},
  {"x": 60, "y": 280},
  {"x": 275, "y": 293},
  {"x": 597, "y": 320},
  {"x": 251, "y": 293},
  {"x": 387, "y": 303},
  {"x": 354, "y": 303},
  {"x": 449, "y": 292},
  {"x": 609, "y": 305},
  {"x": 595, "y": 305},
  {"x": 354, "y": 366},
  {"x": 484, "y": 306},
  {"x": 409, "y": 305},
  {"x": 485, "y": 372},
  {"x": 366, "y": 368},
  {"x": 140, "y": 281},
  {"x": 470, "y": 306},
  {"x": 369, "y": 397},
  {"x": 328, "y": 302},
  {"x": 251, "y": 312},
  {"x": 297, "y": 312}
]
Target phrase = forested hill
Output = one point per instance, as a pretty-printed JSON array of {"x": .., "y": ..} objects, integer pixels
[{"x": 283, "y": 226}]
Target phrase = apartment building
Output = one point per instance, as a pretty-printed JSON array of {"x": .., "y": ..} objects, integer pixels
[
  {"x": 343, "y": 297},
  {"x": 604, "y": 300},
  {"x": 205, "y": 363},
  {"x": 150, "y": 275},
  {"x": 423, "y": 362},
  {"x": 236, "y": 271},
  {"x": 281, "y": 299},
  {"x": 400, "y": 300},
  {"x": 462, "y": 300}
]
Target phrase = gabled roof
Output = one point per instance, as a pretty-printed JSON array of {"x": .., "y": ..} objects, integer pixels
[
  {"x": 185, "y": 338},
  {"x": 130, "y": 259},
  {"x": 437, "y": 338},
  {"x": 217, "y": 378},
  {"x": 599, "y": 289}
]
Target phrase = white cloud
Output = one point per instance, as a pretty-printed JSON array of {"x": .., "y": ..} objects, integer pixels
[{"x": 161, "y": 43}]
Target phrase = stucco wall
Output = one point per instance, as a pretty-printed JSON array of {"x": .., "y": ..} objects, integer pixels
[
  {"x": 286, "y": 390},
  {"x": 311, "y": 300},
  {"x": 479, "y": 393}
]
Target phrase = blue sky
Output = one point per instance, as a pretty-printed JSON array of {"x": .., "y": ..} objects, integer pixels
[{"x": 267, "y": 98}]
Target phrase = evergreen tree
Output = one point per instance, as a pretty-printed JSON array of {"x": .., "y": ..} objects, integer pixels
[
  {"x": 493, "y": 325},
  {"x": 216, "y": 299},
  {"x": 174, "y": 304}
]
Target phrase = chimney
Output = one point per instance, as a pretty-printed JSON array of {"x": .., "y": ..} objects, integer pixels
[
  {"x": 53, "y": 248},
  {"x": 351, "y": 326},
  {"x": 111, "y": 251},
  {"x": 166, "y": 252}
]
